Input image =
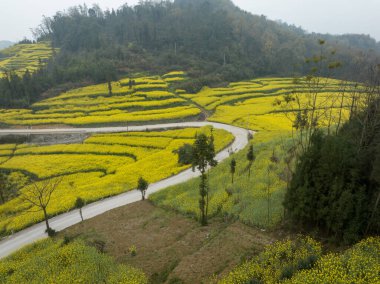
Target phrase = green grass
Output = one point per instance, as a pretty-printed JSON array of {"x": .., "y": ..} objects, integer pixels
[{"x": 247, "y": 198}]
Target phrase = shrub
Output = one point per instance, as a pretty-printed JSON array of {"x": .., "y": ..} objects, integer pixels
[
  {"x": 185, "y": 154},
  {"x": 132, "y": 250}
]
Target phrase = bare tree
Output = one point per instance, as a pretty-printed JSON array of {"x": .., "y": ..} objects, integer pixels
[
  {"x": 310, "y": 107},
  {"x": 38, "y": 195}
]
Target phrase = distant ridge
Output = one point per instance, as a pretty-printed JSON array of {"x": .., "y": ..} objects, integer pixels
[{"x": 5, "y": 44}]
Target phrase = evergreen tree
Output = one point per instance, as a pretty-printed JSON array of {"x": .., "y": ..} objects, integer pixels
[
  {"x": 232, "y": 169},
  {"x": 203, "y": 157},
  {"x": 251, "y": 158}
]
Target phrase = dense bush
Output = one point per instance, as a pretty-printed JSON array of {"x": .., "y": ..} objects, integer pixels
[
  {"x": 185, "y": 154},
  {"x": 336, "y": 183}
]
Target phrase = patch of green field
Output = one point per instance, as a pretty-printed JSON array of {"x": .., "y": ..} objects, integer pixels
[{"x": 248, "y": 198}]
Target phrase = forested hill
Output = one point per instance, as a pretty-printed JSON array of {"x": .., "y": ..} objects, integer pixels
[
  {"x": 212, "y": 40},
  {"x": 205, "y": 34}
]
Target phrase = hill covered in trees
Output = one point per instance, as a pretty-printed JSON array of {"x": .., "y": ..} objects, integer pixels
[
  {"x": 201, "y": 34},
  {"x": 213, "y": 40}
]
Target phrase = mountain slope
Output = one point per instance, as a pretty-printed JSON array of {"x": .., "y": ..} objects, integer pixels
[{"x": 205, "y": 35}]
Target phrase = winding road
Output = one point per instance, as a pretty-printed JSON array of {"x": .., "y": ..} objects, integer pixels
[{"x": 60, "y": 222}]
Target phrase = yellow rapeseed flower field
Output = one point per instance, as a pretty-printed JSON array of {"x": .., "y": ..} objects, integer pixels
[
  {"x": 301, "y": 262},
  {"x": 103, "y": 165},
  {"x": 58, "y": 262},
  {"x": 147, "y": 99}
]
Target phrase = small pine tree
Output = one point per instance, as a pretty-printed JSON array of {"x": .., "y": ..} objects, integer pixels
[
  {"x": 251, "y": 158},
  {"x": 232, "y": 169}
]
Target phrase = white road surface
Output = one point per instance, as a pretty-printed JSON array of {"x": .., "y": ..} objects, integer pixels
[{"x": 36, "y": 232}]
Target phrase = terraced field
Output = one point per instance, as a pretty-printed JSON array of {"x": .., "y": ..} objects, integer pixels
[
  {"x": 253, "y": 104},
  {"x": 103, "y": 165},
  {"x": 22, "y": 57},
  {"x": 146, "y": 99}
]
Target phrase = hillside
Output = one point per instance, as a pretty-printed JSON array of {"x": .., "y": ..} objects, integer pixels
[
  {"x": 213, "y": 40},
  {"x": 228, "y": 41},
  {"x": 133, "y": 100}
]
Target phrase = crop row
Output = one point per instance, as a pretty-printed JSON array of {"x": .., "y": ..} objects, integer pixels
[
  {"x": 130, "y": 100},
  {"x": 124, "y": 117}
]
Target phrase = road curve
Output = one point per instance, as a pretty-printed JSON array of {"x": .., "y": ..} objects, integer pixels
[{"x": 63, "y": 221}]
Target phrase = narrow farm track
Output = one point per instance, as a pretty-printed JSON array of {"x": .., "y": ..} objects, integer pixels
[{"x": 63, "y": 221}]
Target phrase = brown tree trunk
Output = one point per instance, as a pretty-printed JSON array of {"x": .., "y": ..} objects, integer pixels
[
  {"x": 2, "y": 197},
  {"x": 80, "y": 213},
  {"x": 46, "y": 219},
  {"x": 207, "y": 200},
  {"x": 373, "y": 213},
  {"x": 110, "y": 88}
]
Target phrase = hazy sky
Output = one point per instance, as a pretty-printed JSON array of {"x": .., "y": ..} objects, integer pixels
[{"x": 332, "y": 16}]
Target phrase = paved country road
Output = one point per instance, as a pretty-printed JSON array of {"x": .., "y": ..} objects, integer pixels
[{"x": 63, "y": 221}]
